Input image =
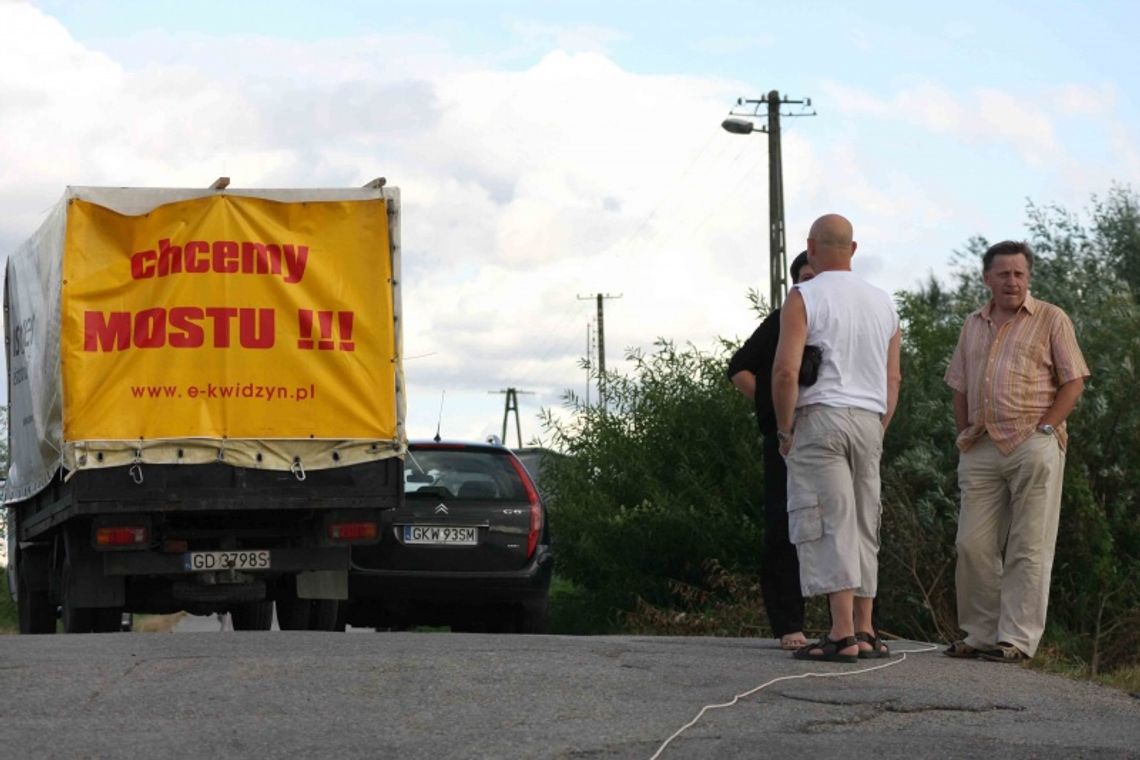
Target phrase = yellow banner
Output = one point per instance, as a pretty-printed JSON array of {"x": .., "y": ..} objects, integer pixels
[{"x": 229, "y": 317}]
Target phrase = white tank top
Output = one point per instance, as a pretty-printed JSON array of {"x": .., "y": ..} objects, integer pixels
[{"x": 852, "y": 322}]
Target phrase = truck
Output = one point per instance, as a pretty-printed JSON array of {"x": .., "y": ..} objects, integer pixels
[{"x": 205, "y": 402}]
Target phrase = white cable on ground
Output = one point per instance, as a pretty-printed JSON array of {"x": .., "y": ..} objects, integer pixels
[{"x": 750, "y": 692}]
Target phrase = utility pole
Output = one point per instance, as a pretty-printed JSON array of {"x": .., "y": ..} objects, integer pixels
[
  {"x": 777, "y": 244},
  {"x": 589, "y": 361},
  {"x": 512, "y": 405},
  {"x": 777, "y": 253},
  {"x": 601, "y": 343}
]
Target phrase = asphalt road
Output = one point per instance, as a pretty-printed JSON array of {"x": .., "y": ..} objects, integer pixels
[{"x": 426, "y": 695}]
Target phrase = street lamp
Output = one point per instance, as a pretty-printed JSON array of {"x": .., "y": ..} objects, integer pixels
[
  {"x": 778, "y": 258},
  {"x": 738, "y": 126}
]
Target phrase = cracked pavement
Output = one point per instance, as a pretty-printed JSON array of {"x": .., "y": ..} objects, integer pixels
[{"x": 411, "y": 695}]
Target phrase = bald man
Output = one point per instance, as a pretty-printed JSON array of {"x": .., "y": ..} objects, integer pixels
[{"x": 832, "y": 435}]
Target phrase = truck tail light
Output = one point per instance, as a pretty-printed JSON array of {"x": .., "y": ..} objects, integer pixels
[
  {"x": 354, "y": 531},
  {"x": 535, "y": 508},
  {"x": 121, "y": 535}
]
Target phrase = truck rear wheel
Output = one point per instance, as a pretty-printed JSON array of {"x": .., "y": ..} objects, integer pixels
[
  {"x": 107, "y": 620},
  {"x": 35, "y": 609},
  {"x": 295, "y": 614},
  {"x": 292, "y": 613},
  {"x": 325, "y": 614},
  {"x": 308, "y": 614},
  {"x": 254, "y": 616},
  {"x": 85, "y": 619}
]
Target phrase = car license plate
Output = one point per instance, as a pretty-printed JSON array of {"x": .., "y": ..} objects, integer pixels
[
  {"x": 253, "y": 559},
  {"x": 441, "y": 535}
]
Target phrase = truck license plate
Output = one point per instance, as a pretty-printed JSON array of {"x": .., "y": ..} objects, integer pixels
[
  {"x": 441, "y": 535},
  {"x": 253, "y": 559}
]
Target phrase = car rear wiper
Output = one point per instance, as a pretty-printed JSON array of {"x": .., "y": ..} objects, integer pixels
[{"x": 439, "y": 492}]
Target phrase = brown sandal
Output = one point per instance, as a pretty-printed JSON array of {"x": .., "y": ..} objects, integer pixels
[
  {"x": 1005, "y": 653},
  {"x": 961, "y": 650},
  {"x": 878, "y": 649},
  {"x": 828, "y": 650}
]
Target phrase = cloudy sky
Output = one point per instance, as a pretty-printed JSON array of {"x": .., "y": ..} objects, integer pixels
[{"x": 547, "y": 151}]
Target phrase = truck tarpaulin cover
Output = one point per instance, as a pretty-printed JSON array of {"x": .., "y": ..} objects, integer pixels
[{"x": 255, "y": 330}]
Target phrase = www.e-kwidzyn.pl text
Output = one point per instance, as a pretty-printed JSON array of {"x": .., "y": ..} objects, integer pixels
[{"x": 254, "y": 391}]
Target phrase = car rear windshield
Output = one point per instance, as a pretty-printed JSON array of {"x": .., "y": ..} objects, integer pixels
[{"x": 462, "y": 474}]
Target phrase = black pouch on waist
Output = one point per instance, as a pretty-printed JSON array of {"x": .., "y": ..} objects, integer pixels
[{"x": 809, "y": 367}]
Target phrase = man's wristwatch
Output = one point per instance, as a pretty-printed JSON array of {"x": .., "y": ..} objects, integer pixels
[
  {"x": 1046, "y": 428},
  {"x": 782, "y": 436}
]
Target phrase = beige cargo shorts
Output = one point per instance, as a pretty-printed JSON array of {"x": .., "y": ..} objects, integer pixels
[{"x": 834, "y": 509}]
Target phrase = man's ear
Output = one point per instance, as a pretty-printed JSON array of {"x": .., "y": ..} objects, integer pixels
[{"x": 854, "y": 245}]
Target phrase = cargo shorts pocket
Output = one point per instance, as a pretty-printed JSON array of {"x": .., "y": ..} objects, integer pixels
[{"x": 805, "y": 520}]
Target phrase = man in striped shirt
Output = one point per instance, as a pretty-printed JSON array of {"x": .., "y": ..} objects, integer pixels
[{"x": 1017, "y": 373}]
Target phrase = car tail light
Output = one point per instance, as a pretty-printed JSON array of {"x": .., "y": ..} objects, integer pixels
[
  {"x": 353, "y": 531},
  {"x": 535, "y": 530},
  {"x": 121, "y": 535},
  {"x": 535, "y": 508}
]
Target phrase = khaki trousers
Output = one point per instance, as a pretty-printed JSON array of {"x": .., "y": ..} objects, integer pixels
[
  {"x": 1007, "y": 532},
  {"x": 834, "y": 509}
]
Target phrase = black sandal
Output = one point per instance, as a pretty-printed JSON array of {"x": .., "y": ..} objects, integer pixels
[
  {"x": 878, "y": 650},
  {"x": 829, "y": 650}
]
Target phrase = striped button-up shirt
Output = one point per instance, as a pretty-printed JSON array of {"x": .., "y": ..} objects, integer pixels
[{"x": 1010, "y": 374}]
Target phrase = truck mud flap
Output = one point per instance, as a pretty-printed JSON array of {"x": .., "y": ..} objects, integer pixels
[{"x": 85, "y": 585}]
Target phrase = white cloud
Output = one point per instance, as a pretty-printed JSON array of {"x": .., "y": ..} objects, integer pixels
[
  {"x": 1080, "y": 100},
  {"x": 1126, "y": 150},
  {"x": 523, "y": 189},
  {"x": 979, "y": 115},
  {"x": 1018, "y": 121},
  {"x": 588, "y": 38}
]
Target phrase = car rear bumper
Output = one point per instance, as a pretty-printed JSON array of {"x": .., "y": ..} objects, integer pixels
[{"x": 530, "y": 583}]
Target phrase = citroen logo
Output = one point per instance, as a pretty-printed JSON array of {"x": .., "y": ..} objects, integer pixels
[{"x": 441, "y": 509}]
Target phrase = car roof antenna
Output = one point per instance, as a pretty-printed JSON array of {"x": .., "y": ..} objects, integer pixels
[{"x": 439, "y": 424}]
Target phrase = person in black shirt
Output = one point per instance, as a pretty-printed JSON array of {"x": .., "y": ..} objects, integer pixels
[{"x": 750, "y": 370}]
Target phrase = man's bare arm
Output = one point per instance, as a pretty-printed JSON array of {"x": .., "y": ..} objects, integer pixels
[
  {"x": 789, "y": 356},
  {"x": 894, "y": 377},
  {"x": 961, "y": 411},
  {"x": 1063, "y": 404},
  {"x": 745, "y": 382}
]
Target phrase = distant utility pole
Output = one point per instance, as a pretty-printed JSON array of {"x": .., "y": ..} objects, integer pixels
[
  {"x": 589, "y": 361},
  {"x": 778, "y": 258},
  {"x": 601, "y": 343},
  {"x": 512, "y": 405}
]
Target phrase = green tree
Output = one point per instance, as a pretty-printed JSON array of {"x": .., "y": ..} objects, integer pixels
[{"x": 661, "y": 479}]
